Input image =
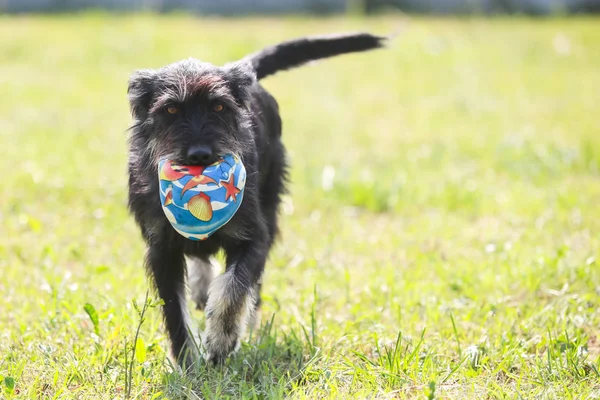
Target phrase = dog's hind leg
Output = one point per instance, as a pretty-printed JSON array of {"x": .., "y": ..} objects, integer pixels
[
  {"x": 254, "y": 317},
  {"x": 201, "y": 273},
  {"x": 231, "y": 297},
  {"x": 166, "y": 264}
]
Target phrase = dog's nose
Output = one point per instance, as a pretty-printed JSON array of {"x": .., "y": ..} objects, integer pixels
[{"x": 201, "y": 155}]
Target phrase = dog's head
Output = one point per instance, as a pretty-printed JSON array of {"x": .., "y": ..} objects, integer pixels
[{"x": 191, "y": 112}]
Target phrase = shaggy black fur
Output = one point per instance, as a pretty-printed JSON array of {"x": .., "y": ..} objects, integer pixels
[{"x": 248, "y": 125}]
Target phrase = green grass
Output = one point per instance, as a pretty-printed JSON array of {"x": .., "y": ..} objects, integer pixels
[{"x": 454, "y": 254}]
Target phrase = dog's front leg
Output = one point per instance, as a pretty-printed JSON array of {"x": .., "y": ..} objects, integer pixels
[
  {"x": 231, "y": 298},
  {"x": 166, "y": 263}
]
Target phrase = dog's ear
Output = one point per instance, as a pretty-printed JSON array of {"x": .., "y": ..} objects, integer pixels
[
  {"x": 241, "y": 77},
  {"x": 140, "y": 92}
]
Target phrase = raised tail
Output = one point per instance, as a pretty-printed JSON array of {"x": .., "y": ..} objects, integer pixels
[{"x": 296, "y": 52}]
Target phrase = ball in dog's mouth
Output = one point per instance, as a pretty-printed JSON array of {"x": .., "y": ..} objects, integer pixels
[{"x": 199, "y": 200}]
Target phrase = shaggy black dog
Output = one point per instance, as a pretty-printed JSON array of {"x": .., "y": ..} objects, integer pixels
[{"x": 192, "y": 112}]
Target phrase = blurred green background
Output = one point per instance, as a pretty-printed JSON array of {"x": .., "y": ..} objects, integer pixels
[{"x": 440, "y": 239}]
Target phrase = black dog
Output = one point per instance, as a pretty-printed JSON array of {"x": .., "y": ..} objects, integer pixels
[{"x": 192, "y": 112}]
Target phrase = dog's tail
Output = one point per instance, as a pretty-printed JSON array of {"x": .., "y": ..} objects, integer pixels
[{"x": 296, "y": 52}]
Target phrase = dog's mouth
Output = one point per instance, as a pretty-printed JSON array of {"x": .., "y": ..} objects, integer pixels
[
  {"x": 196, "y": 163},
  {"x": 184, "y": 162},
  {"x": 204, "y": 163}
]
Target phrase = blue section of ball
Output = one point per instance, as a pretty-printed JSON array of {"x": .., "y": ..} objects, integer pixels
[{"x": 198, "y": 201}]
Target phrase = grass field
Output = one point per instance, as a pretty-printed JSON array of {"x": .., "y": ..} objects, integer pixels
[{"x": 454, "y": 254}]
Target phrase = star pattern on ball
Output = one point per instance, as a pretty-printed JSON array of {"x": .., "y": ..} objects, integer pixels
[{"x": 231, "y": 190}]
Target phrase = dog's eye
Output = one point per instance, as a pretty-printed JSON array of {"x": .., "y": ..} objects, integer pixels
[
  {"x": 218, "y": 108},
  {"x": 172, "y": 110}
]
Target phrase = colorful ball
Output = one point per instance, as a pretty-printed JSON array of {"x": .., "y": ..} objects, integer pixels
[{"x": 199, "y": 200}]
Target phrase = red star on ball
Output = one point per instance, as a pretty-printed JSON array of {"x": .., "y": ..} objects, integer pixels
[{"x": 231, "y": 190}]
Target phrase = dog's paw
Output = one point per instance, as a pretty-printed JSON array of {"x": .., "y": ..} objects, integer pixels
[
  {"x": 188, "y": 363},
  {"x": 226, "y": 317},
  {"x": 218, "y": 344},
  {"x": 188, "y": 359}
]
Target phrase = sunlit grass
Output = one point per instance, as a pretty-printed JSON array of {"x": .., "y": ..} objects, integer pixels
[{"x": 440, "y": 240}]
